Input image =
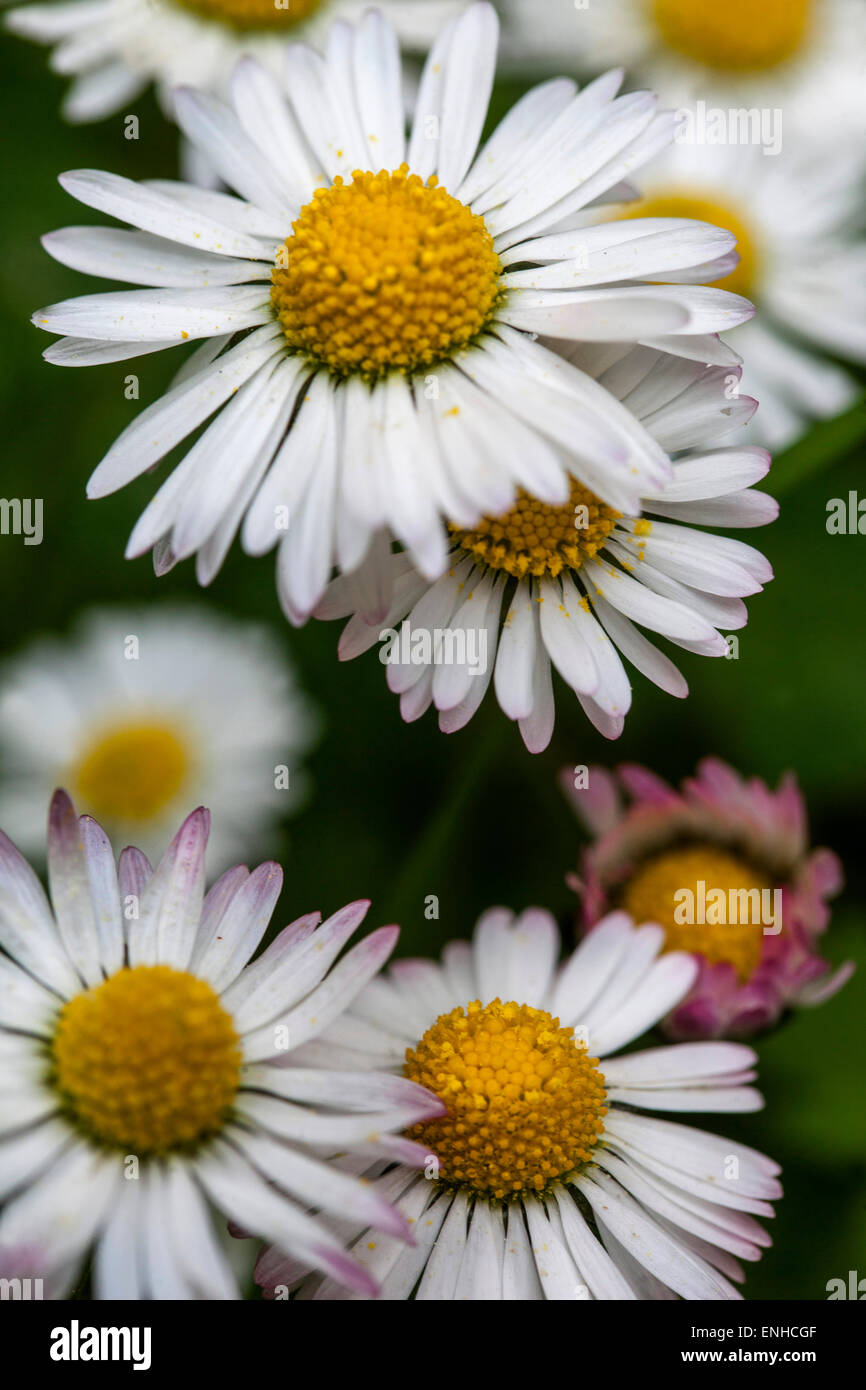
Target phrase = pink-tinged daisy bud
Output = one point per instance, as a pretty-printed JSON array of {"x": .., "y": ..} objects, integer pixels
[
  {"x": 724, "y": 869},
  {"x": 545, "y": 1179},
  {"x": 151, "y": 1072}
]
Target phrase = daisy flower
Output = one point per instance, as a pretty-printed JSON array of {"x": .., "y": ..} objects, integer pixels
[
  {"x": 140, "y": 1088},
  {"x": 368, "y": 306},
  {"x": 563, "y": 586},
  {"x": 802, "y": 57},
  {"x": 802, "y": 262},
  {"x": 142, "y": 713},
  {"x": 649, "y": 856},
  {"x": 113, "y": 49},
  {"x": 544, "y": 1179}
]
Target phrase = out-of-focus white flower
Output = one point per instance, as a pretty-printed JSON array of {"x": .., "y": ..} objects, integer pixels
[{"x": 142, "y": 712}]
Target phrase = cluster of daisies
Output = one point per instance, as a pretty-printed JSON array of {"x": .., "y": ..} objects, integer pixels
[
  {"x": 466, "y": 388},
  {"x": 461, "y": 1128},
  {"x": 442, "y": 379}
]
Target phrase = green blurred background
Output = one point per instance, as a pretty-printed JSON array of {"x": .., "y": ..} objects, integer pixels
[{"x": 399, "y": 812}]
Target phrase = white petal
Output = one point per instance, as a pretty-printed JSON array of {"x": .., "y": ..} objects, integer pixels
[
  {"x": 664, "y": 985},
  {"x": 468, "y": 82},
  {"x": 171, "y": 904},
  {"x": 293, "y": 965},
  {"x": 150, "y": 210},
  {"x": 215, "y": 130},
  {"x": 327, "y": 1001},
  {"x": 234, "y": 936},
  {"x": 138, "y": 258},
  {"x": 234, "y": 1186}
]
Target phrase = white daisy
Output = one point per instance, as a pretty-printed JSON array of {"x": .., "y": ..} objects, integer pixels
[
  {"x": 563, "y": 586},
  {"x": 113, "y": 49},
  {"x": 371, "y": 365},
  {"x": 143, "y": 713},
  {"x": 544, "y": 1180},
  {"x": 802, "y": 252},
  {"x": 145, "y": 1075},
  {"x": 802, "y": 57}
]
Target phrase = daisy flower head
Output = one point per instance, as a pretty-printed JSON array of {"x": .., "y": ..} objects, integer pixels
[
  {"x": 148, "y": 1072},
  {"x": 800, "y": 57},
  {"x": 368, "y": 306},
  {"x": 564, "y": 586},
  {"x": 114, "y": 49},
  {"x": 802, "y": 254},
  {"x": 723, "y": 866},
  {"x": 544, "y": 1179},
  {"x": 144, "y": 712}
]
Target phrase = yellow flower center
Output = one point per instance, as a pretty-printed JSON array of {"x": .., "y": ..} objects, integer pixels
[
  {"x": 737, "y": 36},
  {"x": 254, "y": 14},
  {"x": 384, "y": 273},
  {"x": 666, "y": 889},
  {"x": 534, "y": 538},
  {"x": 525, "y": 1103},
  {"x": 147, "y": 1062},
  {"x": 130, "y": 772},
  {"x": 743, "y": 278}
]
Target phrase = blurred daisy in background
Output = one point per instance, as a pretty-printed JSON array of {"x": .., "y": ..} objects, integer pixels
[
  {"x": 733, "y": 834},
  {"x": 144, "y": 711},
  {"x": 113, "y": 49},
  {"x": 563, "y": 586},
  {"x": 140, "y": 1089},
  {"x": 804, "y": 57},
  {"x": 367, "y": 334},
  {"x": 544, "y": 1179},
  {"x": 798, "y": 223}
]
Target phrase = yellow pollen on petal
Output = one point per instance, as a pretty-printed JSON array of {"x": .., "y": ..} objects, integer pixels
[
  {"x": 743, "y": 277},
  {"x": 526, "y": 1104},
  {"x": 737, "y": 36},
  {"x": 655, "y": 893},
  {"x": 148, "y": 1061},
  {"x": 130, "y": 772},
  {"x": 535, "y": 538},
  {"x": 254, "y": 14},
  {"x": 385, "y": 273}
]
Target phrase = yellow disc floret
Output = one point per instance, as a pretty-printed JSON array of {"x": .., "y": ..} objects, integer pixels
[
  {"x": 535, "y": 538},
  {"x": 743, "y": 277},
  {"x": 147, "y": 1062},
  {"x": 254, "y": 14},
  {"x": 525, "y": 1102},
  {"x": 666, "y": 889},
  {"x": 130, "y": 772},
  {"x": 384, "y": 273},
  {"x": 739, "y": 35}
]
